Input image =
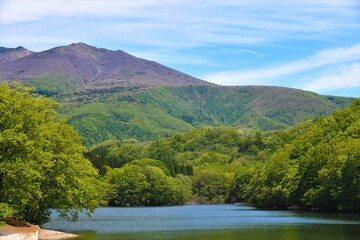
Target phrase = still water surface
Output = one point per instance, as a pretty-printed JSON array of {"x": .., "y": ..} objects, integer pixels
[{"x": 210, "y": 222}]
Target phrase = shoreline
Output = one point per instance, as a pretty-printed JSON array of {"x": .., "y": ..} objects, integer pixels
[
  {"x": 33, "y": 232},
  {"x": 45, "y": 234}
]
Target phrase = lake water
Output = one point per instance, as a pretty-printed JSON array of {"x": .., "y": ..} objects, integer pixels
[{"x": 210, "y": 222}]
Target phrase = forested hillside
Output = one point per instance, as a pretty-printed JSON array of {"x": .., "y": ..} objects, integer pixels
[
  {"x": 163, "y": 111},
  {"x": 314, "y": 165},
  {"x": 318, "y": 169},
  {"x": 199, "y": 165}
]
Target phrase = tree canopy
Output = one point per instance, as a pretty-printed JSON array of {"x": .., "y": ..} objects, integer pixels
[
  {"x": 314, "y": 165},
  {"x": 42, "y": 165},
  {"x": 146, "y": 182},
  {"x": 319, "y": 168}
]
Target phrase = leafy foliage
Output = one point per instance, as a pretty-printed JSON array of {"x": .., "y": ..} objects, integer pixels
[
  {"x": 41, "y": 160},
  {"x": 317, "y": 169},
  {"x": 149, "y": 114},
  {"x": 142, "y": 184},
  {"x": 114, "y": 154},
  {"x": 314, "y": 165},
  {"x": 210, "y": 156}
]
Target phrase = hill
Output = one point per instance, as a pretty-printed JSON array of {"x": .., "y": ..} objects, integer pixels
[
  {"x": 318, "y": 167},
  {"x": 313, "y": 165},
  {"x": 111, "y": 94},
  {"x": 163, "y": 111}
]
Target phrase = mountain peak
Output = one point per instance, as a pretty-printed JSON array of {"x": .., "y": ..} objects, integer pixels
[
  {"x": 12, "y": 54},
  {"x": 80, "y": 66},
  {"x": 81, "y": 44},
  {"x": 4, "y": 49}
]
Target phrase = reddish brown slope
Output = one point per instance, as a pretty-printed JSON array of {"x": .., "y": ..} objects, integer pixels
[
  {"x": 11, "y": 54},
  {"x": 82, "y": 66}
]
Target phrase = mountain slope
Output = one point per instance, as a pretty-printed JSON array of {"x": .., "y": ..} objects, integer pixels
[
  {"x": 111, "y": 94},
  {"x": 163, "y": 111},
  {"x": 246, "y": 106},
  {"x": 80, "y": 67}
]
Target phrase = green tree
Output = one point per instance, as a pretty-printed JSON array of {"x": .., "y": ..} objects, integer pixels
[
  {"x": 42, "y": 165},
  {"x": 151, "y": 162},
  {"x": 212, "y": 186},
  {"x": 129, "y": 186},
  {"x": 146, "y": 182},
  {"x": 164, "y": 153}
]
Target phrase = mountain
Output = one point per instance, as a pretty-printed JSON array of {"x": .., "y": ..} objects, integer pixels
[
  {"x": 165, "y": 110},
  {"x": 111, "y": 94},
  {"x": 11, "y": 54},
  {"x": 80, "y": 67}
]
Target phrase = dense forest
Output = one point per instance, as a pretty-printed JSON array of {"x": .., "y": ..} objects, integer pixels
[
  {"x": 153, "y": 113},
  {"x": 318, "y": 169},
  {"x": 314, "y": 165},
  {"x": 43, "y": 166}
]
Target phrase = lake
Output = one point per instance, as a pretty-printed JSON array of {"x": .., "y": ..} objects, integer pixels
[{"x": 209, "y": 222}]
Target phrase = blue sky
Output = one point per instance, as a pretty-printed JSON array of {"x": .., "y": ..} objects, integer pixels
[{"x": 312, "y": 45}]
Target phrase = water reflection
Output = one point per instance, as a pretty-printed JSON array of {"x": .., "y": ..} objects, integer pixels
[{"x": 197, "y": 222}]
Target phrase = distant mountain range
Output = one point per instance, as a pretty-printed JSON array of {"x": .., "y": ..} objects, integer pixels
[{"x": 111, "y": 94}]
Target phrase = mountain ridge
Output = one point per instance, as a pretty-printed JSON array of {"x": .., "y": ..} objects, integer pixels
[{"x": 81, "y": 67}]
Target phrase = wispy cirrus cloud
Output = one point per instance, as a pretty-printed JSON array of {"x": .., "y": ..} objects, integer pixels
[
  {"x": 180, "y": 24},
  {"x": 326, "y": 58},
  {"x": 211, "y": 38},
  {"x": 347, "y": 76},
  {"x": 23, "y": 11},
  {"x": 249, "y": 51},
  {"x": 165, "y": 58}
]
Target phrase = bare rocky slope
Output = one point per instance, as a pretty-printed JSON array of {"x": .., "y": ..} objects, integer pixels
[
  {"x": 80, "y": 67},
  {"x": 11, "y": 54}
]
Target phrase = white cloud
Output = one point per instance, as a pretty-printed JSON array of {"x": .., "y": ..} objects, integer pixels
[
  {"x": 347, "y": 77},
  {"x": 183, "y": 24},
  {"x": 217, "y": 34},
  {"x": 250, "y": 51},
  {"x": 176, "y": 58},
  {"x": 265, "y": 76},
  {"x": 18, "y": 11}
]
